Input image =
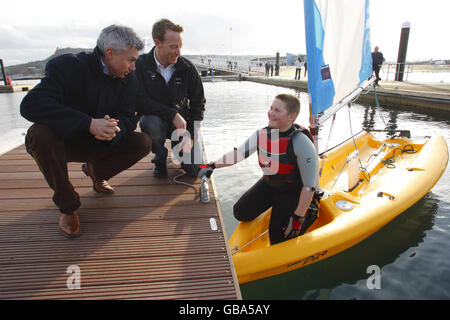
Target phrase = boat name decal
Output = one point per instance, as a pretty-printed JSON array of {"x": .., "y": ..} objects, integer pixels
[{"x": 310, "y": 259}]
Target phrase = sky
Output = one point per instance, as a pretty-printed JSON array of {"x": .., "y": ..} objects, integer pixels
[{"x": 31, "y": 30}]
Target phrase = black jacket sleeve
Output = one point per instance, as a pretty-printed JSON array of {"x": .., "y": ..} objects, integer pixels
[
  {"x": 196, "y": 95},
  {"x": 147, "y": 105},
  {"x": 126, "y": 115},
  {"x": 45, "y": 103}
]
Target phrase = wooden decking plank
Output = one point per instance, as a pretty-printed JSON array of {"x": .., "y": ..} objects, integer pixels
[
  {"x": 28, "y": 165},
  {"x": 152, "y": 239},
  {"x": 102, "y": 201},
  {"x": 85, "y": 182},
  {"x": 217, "y": 288},
  {"x": 130, "y": 228},
  {"x": 50, "y": 215},
  {"x": 87, "y": 191}
]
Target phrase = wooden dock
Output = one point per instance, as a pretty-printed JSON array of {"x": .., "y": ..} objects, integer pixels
[
  {"x": 152, "y": 239},
  {"x": 16, "y": 88},
  {"x": 403, "y": 95}
]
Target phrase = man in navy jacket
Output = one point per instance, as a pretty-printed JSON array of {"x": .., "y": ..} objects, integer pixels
[
  {"x": 84, "y": 111},
  {"x": 377, "y": 61},
  {"x": 170, "y": 98}
]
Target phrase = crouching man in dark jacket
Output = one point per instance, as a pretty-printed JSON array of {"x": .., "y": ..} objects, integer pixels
[
  {"x": 170, "y": 98},
  {"x": 84, "y": 111}
]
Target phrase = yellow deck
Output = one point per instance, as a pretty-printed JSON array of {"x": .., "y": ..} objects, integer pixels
[{"x": 389, "y": 192}]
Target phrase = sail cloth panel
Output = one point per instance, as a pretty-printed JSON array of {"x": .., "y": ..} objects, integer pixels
[{"x": 338, "y": 49}]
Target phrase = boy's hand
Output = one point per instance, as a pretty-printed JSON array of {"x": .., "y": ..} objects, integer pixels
[
  {"x": 292, "y": 229},
  {"x": 206, "y": 169}
]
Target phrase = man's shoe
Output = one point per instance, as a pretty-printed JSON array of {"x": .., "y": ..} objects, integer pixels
[
  {"x": 69, "y": 224},
  {"x": 160, "y": 170},
  {"x": 99, "y": 185}
]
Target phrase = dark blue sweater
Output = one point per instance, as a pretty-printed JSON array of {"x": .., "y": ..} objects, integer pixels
[{"x": 75, "y": 90}]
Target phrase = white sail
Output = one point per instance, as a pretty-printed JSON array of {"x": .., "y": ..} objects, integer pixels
[{"x": 338, "y": 49}]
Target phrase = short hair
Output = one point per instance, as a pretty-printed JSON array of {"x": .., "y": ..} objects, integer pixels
[
  {"x": 292, "y": 102},
  {"x": 118, "y": 38},
  {"x": 160, "y": 27}
]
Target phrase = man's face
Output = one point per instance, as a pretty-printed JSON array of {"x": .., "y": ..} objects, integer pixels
[
  {"x": 168, "y": 50},
  {"x": 121, "y": 64}
]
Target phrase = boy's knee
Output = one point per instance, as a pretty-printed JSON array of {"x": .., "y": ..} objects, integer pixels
[{"x": 238, "y": 213}]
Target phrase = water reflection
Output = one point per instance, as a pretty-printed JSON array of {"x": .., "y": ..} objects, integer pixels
[{"x": 369, "y": 119}]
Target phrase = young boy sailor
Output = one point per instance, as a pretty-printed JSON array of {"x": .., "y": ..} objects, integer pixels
[{"x": 289, "y": 161}]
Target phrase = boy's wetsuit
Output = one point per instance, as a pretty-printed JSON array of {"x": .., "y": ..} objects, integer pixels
[{"x": 289, "y": 162}]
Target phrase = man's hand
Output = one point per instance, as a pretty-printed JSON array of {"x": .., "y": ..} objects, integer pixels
[
  {"x": 179, "y": 122},
  {"x": 186, "y": 145},
  {"x": 104, "y": 129}
]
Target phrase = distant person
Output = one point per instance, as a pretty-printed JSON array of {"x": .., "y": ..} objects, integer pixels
[
  {"x": 170, "y": 97},
  {"x": 298, "y": 68},
  {"x": 267, "y": 65},
  {"x": 377, "y": 61},
  {"x": 84, "y": 111},
  {"x": 290, "y": 174},
  {"x": 271, "y": 69},
  {"x": 306, "y": 69}
]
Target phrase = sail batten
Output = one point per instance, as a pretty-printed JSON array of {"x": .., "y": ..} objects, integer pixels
[{"x": 338, "y": 49}]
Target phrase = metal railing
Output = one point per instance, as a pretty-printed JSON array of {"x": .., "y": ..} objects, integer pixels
[{"x": 391, "y": 68}]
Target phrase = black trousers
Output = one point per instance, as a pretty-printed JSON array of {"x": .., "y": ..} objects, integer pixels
[
  {"x": 376, "y": 69},
  {"x": 52, "y": 154},
  {"x": 297, "y": 73},
  {"x": 159, "y": 130},
  {"x": 261, "y": 197}
]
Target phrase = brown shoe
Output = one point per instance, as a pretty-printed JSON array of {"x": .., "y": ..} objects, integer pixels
[
  {"x": 100, "y": 185},
  {"x": 69, "y": 224}
]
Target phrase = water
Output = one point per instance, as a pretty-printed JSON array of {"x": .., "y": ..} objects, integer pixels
[{"x": 412, "y": 251}]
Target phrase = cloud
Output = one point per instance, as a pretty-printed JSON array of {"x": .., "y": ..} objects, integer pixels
[{"x": 31, "y": 30}]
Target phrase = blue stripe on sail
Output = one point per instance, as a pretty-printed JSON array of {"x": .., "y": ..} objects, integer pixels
[
  {"x": 320, "y": 84},
  {"x": 366, "y": 61}
]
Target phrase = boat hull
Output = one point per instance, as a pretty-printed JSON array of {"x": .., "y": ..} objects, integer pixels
[{"x": 391, "y": 189}]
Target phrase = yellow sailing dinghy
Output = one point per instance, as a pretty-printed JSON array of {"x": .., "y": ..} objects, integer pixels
[{"x": 367, "y": 182}]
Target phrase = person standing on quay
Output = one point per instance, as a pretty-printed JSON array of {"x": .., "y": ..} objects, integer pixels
[
  {"x": 84, "y": 111},
  {"x": 377, "y": 61},
  {"x": 298, "y": 68},
  {"x": 170, "y": 97}
]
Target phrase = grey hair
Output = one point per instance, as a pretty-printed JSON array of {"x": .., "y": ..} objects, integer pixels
[{"x": 118, "y": 38}]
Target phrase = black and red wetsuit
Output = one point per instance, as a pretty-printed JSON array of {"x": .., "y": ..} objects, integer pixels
[{"x": 289, "y": 162}]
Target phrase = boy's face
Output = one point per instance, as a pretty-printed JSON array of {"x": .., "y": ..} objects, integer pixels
[{"x": 279, "y": 117}]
